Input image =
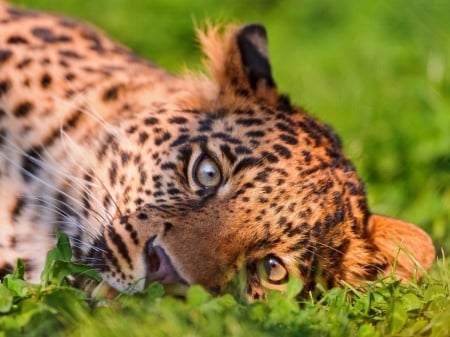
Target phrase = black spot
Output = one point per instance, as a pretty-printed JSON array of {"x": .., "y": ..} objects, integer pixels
[
  {"x": 67, "y": 23},
  {"x": 96, "y": 42},
  {"x": 111, "y": 94},
  {"x": 48, "y": 36},
  {"x": 151, "y": 121},
  {"x": 113, "y": 173},
  {"x": 158, "y": 194},
  {"x": 249, "y": 121},
  {"x": 143, "y": 177},
  {"x": 31, "y": 162},
  {"x": 70, "y": 54},
  {"x": 270, "y": 157},
  {"x": 217, "y": 115},
  {"x": 286, "y": 128},
  {"x": 69, "y": 93},
  {"x": 243, "y": 150},
  {"x": 199, "y": 139},
  {"x": 247, "y": 186},
  {"x": 143, "y": 136},
  {"x": 18, "y": 207},
  {"x": 125, "y": 157},
  {"x": 20, "y": 12},
  {"x": 167, "y": 227},
  {"x": 163, "y": 138},
  {"x": 173, "y": 191},
  {"x": 69, "y": 76},
  {"x": 180, "y": 140},
  {"x": 5, "y": 54},
  {"x": 87, "y": 194},
  {"x": 23, "y": 109},
  {"x": 267, "y": 189},
  {"x": 69, "y": 124},
  {"x": 283, "y": 151},
  {"x": 288, "y": 139},
  {"x": 121, "y": 247},
  {"x": 205, "y": 125},
  {"x": 168, "y": 166},
  {"x": 64, "y": 211},
  {"x": 226, "y": 137},
  {"x": 142, "y": 216},
  {"x": 15, "y": 39},
  {"x": 178, "y": 120},
  {"x": 246, "y": 163},
  {"x": 4, "y": 87},
  {"x": 46, "y": 81},
  {"x": 227, "y": 152},
  {"x": 262, "y": 176},
  {"x": 132, "y": 129},
  {"x": 98, "y": 254},
  {"x": 5, "y": 270},
  {"x": 255, "y": 134},
  {"x": 24, "y": 63},
  {"x": 137, "y": 159},
  {"x": 307, "y": 156}
]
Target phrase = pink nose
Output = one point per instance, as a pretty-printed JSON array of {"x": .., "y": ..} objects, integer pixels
[{"x": 159, "y": 267}]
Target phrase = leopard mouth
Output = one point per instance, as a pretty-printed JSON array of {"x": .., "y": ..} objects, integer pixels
[{"x": 159, "y": 268}]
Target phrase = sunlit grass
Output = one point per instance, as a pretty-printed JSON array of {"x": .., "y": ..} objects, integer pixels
[{"x": 382, "y": 308}]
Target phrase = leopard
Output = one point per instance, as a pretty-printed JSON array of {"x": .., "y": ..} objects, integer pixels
[{"x": 184, "y": 179}]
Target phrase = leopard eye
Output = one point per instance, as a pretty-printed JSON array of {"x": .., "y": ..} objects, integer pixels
[
  {"x": 272, "y": 270},
  {"x": 207, "y": 173}
]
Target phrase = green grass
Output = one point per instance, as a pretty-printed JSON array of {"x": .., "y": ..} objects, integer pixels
[
  {"x": 383, "y": 308},
  {"x": 379, "y": 73}
]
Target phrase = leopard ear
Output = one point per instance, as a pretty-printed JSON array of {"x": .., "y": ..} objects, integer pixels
[
  {"x": 405, "y": 246},
  {"x": 238, "y": 59},
  {"x": 254, "y": 56}
]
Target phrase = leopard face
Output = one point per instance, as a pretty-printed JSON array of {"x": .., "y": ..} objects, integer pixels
[{"x": 181, "y": 180}]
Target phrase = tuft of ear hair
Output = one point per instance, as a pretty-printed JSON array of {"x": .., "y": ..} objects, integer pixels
[
  {"x": 238, "y": 60},
  {"x": 405, "y": 246}
]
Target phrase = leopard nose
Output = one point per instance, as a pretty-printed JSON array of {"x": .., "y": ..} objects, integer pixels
[{"x": 160, "y": 268}]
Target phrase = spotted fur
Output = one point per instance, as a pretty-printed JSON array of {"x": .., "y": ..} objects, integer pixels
[{"x": 182, "y": 180}]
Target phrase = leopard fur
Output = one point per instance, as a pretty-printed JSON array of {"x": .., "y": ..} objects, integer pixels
[{"x": 178, "y": 179}]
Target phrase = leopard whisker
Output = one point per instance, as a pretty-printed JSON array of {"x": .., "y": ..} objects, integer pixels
[
  {"x": 37, "y": 202},
  {"x": 330, "y": 247},
  {"x": 78, "y": 182},
  {"x": 84, "y": 105}
]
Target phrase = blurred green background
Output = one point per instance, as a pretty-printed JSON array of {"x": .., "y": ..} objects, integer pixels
[{"x": 377, "y": 71}]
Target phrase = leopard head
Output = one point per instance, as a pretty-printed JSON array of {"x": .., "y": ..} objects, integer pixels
[{"x": 233, "y": 179}]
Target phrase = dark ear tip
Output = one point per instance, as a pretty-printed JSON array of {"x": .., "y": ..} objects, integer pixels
[
  {"x": 252, "y": 44},
  {"x": 253, "y": 28}
]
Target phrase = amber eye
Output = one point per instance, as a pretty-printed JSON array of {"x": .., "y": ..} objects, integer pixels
[
  {"x": 272, "y": 270},
  {"x": 207, "y": 173}
]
